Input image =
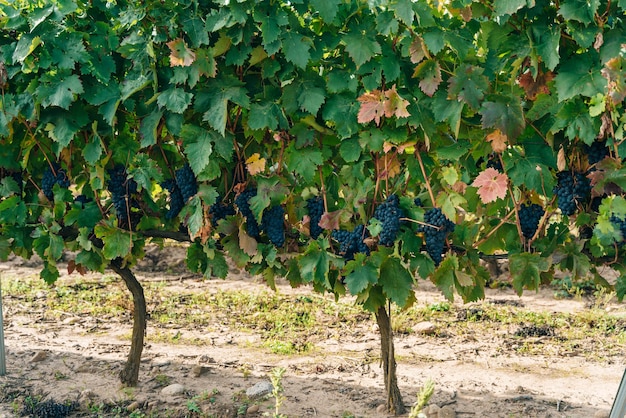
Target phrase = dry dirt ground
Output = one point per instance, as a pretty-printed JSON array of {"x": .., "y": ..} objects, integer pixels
[{"x": 474, "y": 375}]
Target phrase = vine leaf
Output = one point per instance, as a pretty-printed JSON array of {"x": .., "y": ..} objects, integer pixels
[
  {"x": 417, "y": 50},
  {"x": 330, "y": 220},
  {"x": 429, "y": 73},
  {"x": 526, "y": 269},
  {"x": 361, "y": 48},
  {"x": 247, "y": 243},
  {"x": 535, "y": 86},
  {"x": 498, "y": 141},
  {"x": 492, "y": 185},
  {"x": 396, "y": 281},
  {"x": 469, "y": 85},
  {"x": 504, "y": 113},
  {"x": 395, "y": 105},
  {"x": 372, "y": 107},
  {"x": 362, "y": 275},
  {"x": 117, "y": 242},
  {"x": 388, "y": 167},
  {"x": 614, "y": 73},
  {"x": 255, "y": 164},
  {"x": 180, "y": 54}
]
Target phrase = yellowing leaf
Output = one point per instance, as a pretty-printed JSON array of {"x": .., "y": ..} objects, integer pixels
[
  {"x": 372, "y": 107},
  {"x": 492, "y": 185},
  {"x": 247, "y": 243},
  {"x": 180, "y": 54},
  {"x": 561, "y": 162},
  {"x": 498, "y": 141},
  {"x": 388, "y": 167},
  {"x": 255, "y": 164}
]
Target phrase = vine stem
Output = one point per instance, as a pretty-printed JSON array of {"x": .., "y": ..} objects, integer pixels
[
  {"x": 493, "y": 231},
  {"x": 323, "y": 187},
  {"x": 415, "y": 221},
  {"x": 426, "y": 180}
]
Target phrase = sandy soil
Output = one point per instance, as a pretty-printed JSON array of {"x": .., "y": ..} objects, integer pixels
[{"x": 475, "y": 376}]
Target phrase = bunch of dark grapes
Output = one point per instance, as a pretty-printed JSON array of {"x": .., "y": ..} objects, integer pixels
[
  {"x": 51, "y": 176},
  {"x": 389, "y": 213},
  {"x": 48, "y": 409},
  {"x": 529, "y": 217},
  {"x": 351, "y": 243},
  {"x": 494, "y": 162},
  {"x": 186, "y": 181},
  {"x": 418, "y": 202},
  {"x": 315, "y": 207},
  {"x": 220, "y": 210},
  {"x": 435, "y": 233},
  {"x": 571, "y": 190},
  {"x": 121, "y": 189},
  {"x": 273, "y": 223},
  {"x": 176, "y": 198},
  {"x": 243, "y": 203},
  {"x": 596, "y": 152}
]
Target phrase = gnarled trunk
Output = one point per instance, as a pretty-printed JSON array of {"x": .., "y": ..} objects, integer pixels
[
  {"x": 130, "y": 373},
  {"x": 395, "y": 405}
]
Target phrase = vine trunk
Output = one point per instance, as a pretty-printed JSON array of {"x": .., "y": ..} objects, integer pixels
[
  {"x": 130, "y": 373},
  {"x": 395, "y": 405}
]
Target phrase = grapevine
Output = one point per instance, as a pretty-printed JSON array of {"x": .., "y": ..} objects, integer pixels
[{"x": 121, "y": 189}]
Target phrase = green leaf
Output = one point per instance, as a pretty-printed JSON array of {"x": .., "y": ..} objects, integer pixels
[
  {"x": 582, "y": 11},
  {"x": 469, "y": 85},
  {"x": 443, "y": 277},
  {"x": 264, "y": 116},
  {"x": 547, "y": 39},
  {"x": 403, "y": 10},
  {"x": 304, "y": 162},
  {"x": 83, "y": 216},
  {"x": 342, "y": 110},
  {"x": 296, "y": 48},
  {"x": 193, "y": 214},
  {"x": 25, "y": 46},
  {"x": 69, "y": 51},
  {"x": 350, "y": 150},
  {"x": 197, "y": 146},
  {"x": 620, "y": 287},
  {"x": 175, "y": 99},
  {"x": 504, "y": 113},
  {"x": 326, "y": 8},
  {"x": 314, "y": 265},
  {"x": 361, "y": 48},
  {"x": 49, "y": 273},
  {"x": 148, "y": 129},
  {"x": 93, "y": 150},
  {"x": 526, "y": 270},
  {"x": 508, "y": 7},
  {"x": 363, "y": 274},
  {"x": 311, "y": 98},
  {"x": 579, "y": 76},
  {"x": 396, "y": 281},
  {"x": 270, "y": 191},
  {"x": 59, "y": 90},
  {"x": 117, "y": 242}
]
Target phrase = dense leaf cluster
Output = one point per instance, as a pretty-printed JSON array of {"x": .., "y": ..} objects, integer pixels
[{"x": 349, "y": 100}]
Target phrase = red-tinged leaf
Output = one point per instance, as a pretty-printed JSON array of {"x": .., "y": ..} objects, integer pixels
[
  {"x": 395, "y": 105},
  {"x": 180, "y": 54},
  {"x": 417, "y": 50},
  {"x": 534, "y": 86},
  {"x": 330, "y": 220},
  {"x": 613, "y": 71},
  {"x": 388, "y": 166},
  {"x": 372, "y": 107},
  {"x": 498, "y": 141},
  {"x": 492, "y": 185},
  {"x": 429, "y": 73}
]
